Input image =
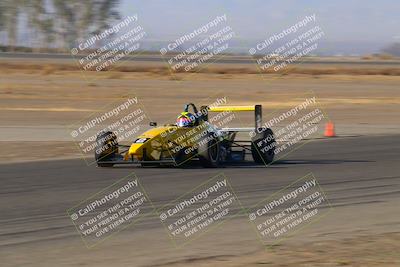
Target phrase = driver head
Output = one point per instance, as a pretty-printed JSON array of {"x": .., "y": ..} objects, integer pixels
[{"x": 185, "y": 119}]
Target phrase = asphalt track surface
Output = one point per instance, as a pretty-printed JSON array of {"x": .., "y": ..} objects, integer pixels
[
  {"x": 34, "y": 196},
  {"x": 223, "y": 60}
]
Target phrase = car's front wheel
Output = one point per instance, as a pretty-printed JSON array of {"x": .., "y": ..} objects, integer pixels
[
  {"x": 209, "y": 153},
  {"x": 106, "y": 148}
]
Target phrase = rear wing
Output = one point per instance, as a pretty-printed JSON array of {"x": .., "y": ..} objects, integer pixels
[{"x": 256, "y": 108}]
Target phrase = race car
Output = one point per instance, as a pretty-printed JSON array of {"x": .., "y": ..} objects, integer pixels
[{"x": 192, "y": 138}]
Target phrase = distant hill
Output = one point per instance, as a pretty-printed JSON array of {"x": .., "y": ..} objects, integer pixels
[{"x": 393, "y": 49}]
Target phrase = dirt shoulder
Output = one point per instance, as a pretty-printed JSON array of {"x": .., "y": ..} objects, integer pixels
[{"x": 362, "y": 251}]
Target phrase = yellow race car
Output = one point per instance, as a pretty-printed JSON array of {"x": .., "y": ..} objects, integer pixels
[{"x": 192, "y": 138}]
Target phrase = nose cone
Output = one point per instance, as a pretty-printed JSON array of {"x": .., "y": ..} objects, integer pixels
[{"x": 151, "y": 141}]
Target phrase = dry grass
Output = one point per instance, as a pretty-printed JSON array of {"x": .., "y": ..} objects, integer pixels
[
  {"x": 115, "y": 73},
  {"x": 48, "y": 69},
  {"x": 382, "y": 56}
]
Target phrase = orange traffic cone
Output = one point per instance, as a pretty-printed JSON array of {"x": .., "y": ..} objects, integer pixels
[{"x": 329, "y": 129}]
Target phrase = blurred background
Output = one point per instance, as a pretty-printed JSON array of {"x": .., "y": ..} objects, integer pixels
[{"x": 353, "y": 28}]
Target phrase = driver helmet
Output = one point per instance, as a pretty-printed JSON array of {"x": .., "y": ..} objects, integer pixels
[{"x": 185, "y": 119}]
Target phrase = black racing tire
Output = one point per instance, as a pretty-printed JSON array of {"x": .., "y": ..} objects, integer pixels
[
  {"x": 106, "y": 148},
  {"x": 263, "y": 146},
  {"x": 209, "y": 153}
]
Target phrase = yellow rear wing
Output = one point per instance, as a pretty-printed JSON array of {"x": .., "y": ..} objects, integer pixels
[
  {"x": 231, "y": 108},
  {"x": 256, "y": 108}
]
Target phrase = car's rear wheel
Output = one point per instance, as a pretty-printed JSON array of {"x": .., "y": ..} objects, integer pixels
[
  {"x": 106, "y": 148},
  {"x": 209, "y": 153},
  {"x": 263, "y": 146}
]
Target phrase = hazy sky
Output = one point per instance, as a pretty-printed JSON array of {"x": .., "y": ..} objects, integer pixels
[{"x": 342, "y": 20}]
